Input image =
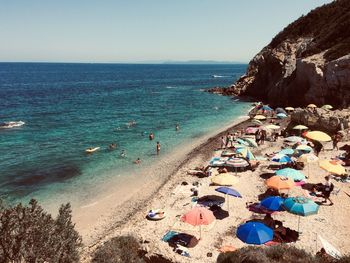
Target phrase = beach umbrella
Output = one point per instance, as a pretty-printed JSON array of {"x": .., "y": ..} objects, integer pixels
[
  {"x": 273, "y": 203},
  {"x": 318, "y": 136},
  {"x": 266, "y": 108},
  {"x": 260, "y": 117},
  {"x": 294, "y": 139},
  {"x": 251, "y": 142},
  {"x": 257, "y": 122},
  {"x": 280, "y": 183},
  {"x": 243, "y": 142},
  {"x": 272, "y": 127},
  {"x": 311, "y": 106},
  {"x": 237, "y": 146},
  {"x": 327, "y": 107},
  {"x": 281, "y": 158},
  {"x": 224, "y": 179},
  {"x": 289, "y": 108},
  {"x": 281, "y": 115},
  {"x": 198, "y": 216},
  {"x": 254, "y": 233},
  {"x": 252, "y": 130},
  {"x": 293, "y": 174},
  {"x": 300, "y": 206},
  {"x": 246, "y": 153},
  {"x": 330, "y": 250},
  {"x": 280, "y": 110},
  {"x": 332, "y": 167},
  {"x": 304, "y": 148},
  {"x": 300, "y": 127},
  {"x": 287, "y": 151},
  {"x": 308, "y": 158},
  {"x": 237, "y": 163},
  {"x": 228, "y": 191}
]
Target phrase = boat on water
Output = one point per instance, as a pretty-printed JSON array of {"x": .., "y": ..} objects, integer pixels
[
  {"x": 91, "y": 150},
  {"x": 11, "y": 124}
]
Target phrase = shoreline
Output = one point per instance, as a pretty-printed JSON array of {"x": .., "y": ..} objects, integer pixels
[{"x": 112, "y": 224}]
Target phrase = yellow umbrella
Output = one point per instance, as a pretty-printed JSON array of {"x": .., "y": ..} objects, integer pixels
[
  {"x": 272, "y": 127},
  {"x": 318, "y": 136},
  {"x": 300, "y": 127},
  {"x": 289, "y": 108},
  {"x": 311, "y": 106},
  {"x": 224, "y": 179},
  {"x": 327, "y": 107},
  {"x": 260, "y": 117},
  {"x": 332, "y": 166},
  {"x": 307, "y": 158}
]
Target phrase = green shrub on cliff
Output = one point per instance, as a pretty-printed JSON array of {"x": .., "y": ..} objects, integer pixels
[
  {"x": 328, "y": 25},
  {"x": 281, "y": 253},
  {"x": 29, "y": 234}
]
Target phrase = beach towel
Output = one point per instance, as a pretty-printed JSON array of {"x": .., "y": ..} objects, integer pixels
[{"x": 169, "y": 235}]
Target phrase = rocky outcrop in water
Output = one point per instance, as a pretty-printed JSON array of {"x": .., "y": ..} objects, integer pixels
[{"x": 308, "y": 62}]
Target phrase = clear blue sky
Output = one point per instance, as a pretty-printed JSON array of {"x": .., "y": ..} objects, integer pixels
[{"x": 142, "y": 30}]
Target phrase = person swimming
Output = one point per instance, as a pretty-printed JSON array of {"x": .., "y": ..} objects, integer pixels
[
  {"x": 158, "y": 147},
  {"x": 112, "y": 146},
  {"x": 151, "y": 136},
  {"x": 137, "y": 161},
  {"x": 177, "y": 127},
  {"x": 123, "y": 154}
]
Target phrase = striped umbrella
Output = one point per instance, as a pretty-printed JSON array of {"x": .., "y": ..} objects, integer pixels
[
  {"x": 246, "y": 153},
  {"x": 237, "y": 163}
]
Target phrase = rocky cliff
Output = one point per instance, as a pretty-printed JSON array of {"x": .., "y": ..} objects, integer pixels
[{"x": 308, "y": 62}]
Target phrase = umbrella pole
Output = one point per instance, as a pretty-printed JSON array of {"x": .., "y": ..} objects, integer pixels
[
  {"x": 200, "y": 232},
  {"x": 298, "y": 223}
]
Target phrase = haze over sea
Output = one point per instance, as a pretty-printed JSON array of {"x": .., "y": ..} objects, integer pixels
[{"x": 70, "y": 107}]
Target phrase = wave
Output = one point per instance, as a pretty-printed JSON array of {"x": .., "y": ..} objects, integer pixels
[
  {"x": 170, "y": 87},
  {"x": 221, "y": 76},
  {"x": 11, "y": 124}
]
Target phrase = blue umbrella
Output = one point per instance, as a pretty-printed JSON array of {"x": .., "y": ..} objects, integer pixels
[
  {"x": 287, "y": 151},
  {"x": 291, "y": 173},
  {"x": 267, "y": 108},
  {"x": 228, "y": 191},
  {"x": 254, "y": 233},
  {"x": 300, "y": 206},
  {"x": 273, "y": 203},
  {"x": 281, "y": 158},
  {"x": 281, "y": 115}
]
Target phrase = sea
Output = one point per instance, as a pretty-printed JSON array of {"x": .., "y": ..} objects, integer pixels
[{"x": 59, "y": 110}]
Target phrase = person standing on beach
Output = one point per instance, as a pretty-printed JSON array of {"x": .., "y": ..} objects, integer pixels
[
  {"x": 227, "y": 140},
  {"x": 158, "y": 148},
  {"x": 223, "y": 142},
  {"x": 336, "y": 139}
]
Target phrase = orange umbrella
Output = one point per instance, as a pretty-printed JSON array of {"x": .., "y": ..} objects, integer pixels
[
  {"x": 198, "y": 216},
  {"x": 280, "y": 182}
]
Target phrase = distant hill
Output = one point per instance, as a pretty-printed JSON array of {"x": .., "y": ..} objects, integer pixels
[{"x": 204, "y": 62}]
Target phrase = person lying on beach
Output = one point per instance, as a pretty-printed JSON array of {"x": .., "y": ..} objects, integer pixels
[
  {"x": 137, "y": 161},
  {"x": 222, "y": 170}
]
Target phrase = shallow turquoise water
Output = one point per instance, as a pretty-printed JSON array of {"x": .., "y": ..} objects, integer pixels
[{"x": 70, "y": 107}]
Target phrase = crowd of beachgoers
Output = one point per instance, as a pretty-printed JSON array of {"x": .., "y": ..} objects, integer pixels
[{"x": 266, "y": 182}]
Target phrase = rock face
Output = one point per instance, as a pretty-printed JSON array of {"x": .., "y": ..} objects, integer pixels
[
  {"x": 308, "y": 62},
  {"x": 320, "y": 119}
]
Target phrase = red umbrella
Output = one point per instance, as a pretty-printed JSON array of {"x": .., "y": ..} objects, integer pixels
[{"x": 198, "y": 216}]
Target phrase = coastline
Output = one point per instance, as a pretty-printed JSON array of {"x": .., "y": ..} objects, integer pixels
[{"x": 109, "y": 224}]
